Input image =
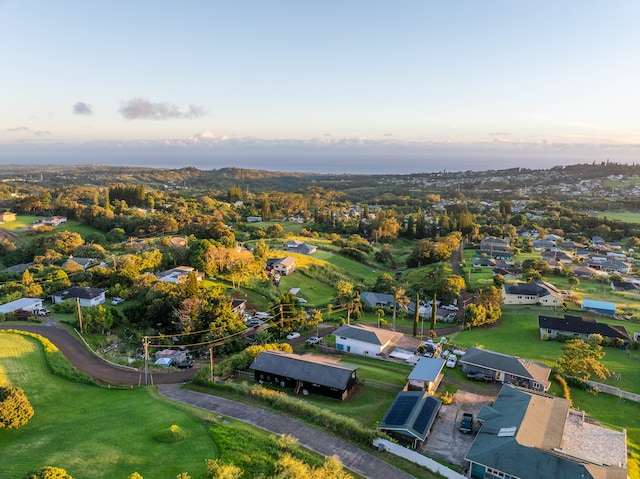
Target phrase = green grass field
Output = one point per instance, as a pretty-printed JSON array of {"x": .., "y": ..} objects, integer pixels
[{"x": 106, "y": 433}]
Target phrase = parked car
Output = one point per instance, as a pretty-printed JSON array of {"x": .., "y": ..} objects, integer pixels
[
  {"x": 466, "y": 425},
  {"x": 185, "y": 364},
  {"x": 314, "y": 340},
  {"x": 42, "y": 312},
  {"x": 452, "y": 360},
  {"x": 450, "y": 307},
  {"x": 254, "y": 322},
  {"x": 293, "y": 335},
  {"x": 116, "y": 301}
]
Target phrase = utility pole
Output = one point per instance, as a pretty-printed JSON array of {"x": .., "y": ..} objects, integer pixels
[
  {"x": 211, "y": 363},
  {"x": 416, "y": 318},
  {"x": 79, "y": 314},
  {"x": 146, "y": 360}
]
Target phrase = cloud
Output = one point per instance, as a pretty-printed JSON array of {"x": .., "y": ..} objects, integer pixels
[
  {"x": 499, "y": 133},
  {"x": 81, "y": 108},
  {"x": 24, "y": 129},
  {"x": 143, "y": 109},
  {"x": 41, "y": 133},
  {"x": 18, "y": 129}
]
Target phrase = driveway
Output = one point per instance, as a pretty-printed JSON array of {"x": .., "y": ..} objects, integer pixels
[{"x": 445, "y": 440}]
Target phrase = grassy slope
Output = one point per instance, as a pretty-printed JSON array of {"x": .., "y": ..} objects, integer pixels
[{"x": 93, "y": 432}]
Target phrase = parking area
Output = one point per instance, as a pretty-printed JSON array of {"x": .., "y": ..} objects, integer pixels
[{"x": 445, "y": 440}]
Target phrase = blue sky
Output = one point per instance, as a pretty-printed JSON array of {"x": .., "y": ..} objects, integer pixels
[{"x": 346, "y": 86}]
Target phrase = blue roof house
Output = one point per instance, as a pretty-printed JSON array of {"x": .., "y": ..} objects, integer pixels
[{"x": 602, "y": 307}]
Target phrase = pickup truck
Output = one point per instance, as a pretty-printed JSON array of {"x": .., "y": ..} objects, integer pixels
[{"x": 466, "y": 425}]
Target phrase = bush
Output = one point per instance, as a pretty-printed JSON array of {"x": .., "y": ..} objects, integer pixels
[
  {"x": 67, "y": 306},
  {"x": 15, "y": 410},
  {"x": 47, "y": 472},
  {"x": 566, "y": 391}
]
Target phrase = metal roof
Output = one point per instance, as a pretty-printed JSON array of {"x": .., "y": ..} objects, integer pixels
[{"x": 412, "y": 413}]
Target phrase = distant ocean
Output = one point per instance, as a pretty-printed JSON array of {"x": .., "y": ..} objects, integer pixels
[{"x": 358, "y": 160}]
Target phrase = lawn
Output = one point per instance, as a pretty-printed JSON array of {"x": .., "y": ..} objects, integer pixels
[
  {"x": 359, "y": 271},
  {"x": 93, "y": 432},
  {"x": 20, "y": 222}
]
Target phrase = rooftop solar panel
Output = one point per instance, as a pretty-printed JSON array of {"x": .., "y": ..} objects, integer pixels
[
  {"x": 424, "y": 416},
  {"x": 400, "y": 410}
]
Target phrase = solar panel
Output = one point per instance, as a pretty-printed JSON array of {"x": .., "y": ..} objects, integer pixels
[
  {"x": 424, "y": 416},
  {"x": 400, "y": 410}
]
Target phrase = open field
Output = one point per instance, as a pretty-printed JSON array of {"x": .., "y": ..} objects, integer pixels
[
  {"x": 93, "y": 432},
  {"x": 626, "y": 216}
]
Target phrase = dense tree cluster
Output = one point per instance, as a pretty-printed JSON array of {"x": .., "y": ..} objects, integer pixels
[{"x": 15, "y": 410}]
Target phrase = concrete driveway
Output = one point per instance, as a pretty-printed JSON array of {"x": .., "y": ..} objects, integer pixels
[{"x": 445, "y": 440}]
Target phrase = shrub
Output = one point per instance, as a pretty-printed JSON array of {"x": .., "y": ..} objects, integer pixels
[
  {"x": 15, "y": 410},
  {"x": 47, "y": 472},
  {"x": 57, "y": 362},
  {"x": 566, "y": 391}
]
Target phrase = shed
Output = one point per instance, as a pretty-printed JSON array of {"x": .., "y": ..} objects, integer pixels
[
  {"x": 426, "y": 375},
  {"x": 411, "y": 416},
  {"x": 25, "y": 304},
  {"x": 602, "y": 307},
  {"x": 310, "y": 372}
]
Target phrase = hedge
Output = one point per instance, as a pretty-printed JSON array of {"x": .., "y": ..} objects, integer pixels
[{"x": 56, "y": 361}]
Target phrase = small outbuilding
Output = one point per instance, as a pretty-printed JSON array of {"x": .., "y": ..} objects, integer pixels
[
  {"x": 25, "y": 304},
  {"x": 410, "y": 417},
  {"x": 426, "y": 375},
  {"x": 308, "y": 372},
  {"x": 364, "y": 340},
  {"x": 601, "y": 307}
]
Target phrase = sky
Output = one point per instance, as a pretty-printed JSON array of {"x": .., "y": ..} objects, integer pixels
[{"x": 347, "y": 86}]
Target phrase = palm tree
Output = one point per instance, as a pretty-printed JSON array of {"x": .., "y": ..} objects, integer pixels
[{"x": 399, "y": 299}]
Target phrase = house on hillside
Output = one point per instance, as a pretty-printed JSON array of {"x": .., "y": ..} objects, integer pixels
[
  {"x": 496, "y": 248},
  {"x": 377, "y": 300},
  {"x": 364, "y": 340},
  {"x": 298, "y": 246},
  {"x": 557, "y": 256},
  {"x": 282, "y": 266},
  {"x": 625, "y": 287},
  {"x": 507, "y": 369},
  {"x": 178, "y": 274},
  {"x": 577, "y": 327},
  {"x": 88, "y": 297},
  {"x": 483, "y": 262},
  {"x": 84, "y": 263},
  {"x": 25, "y": 304},
  {"x": 509, "y": 274},
  {"x": 315, "y": 373},
  {"x": 410, "y": 417},
  {"x": 538, "y": 292},
  {"x": 532, "y": 436},
  {"x": 18, "y": 268}
]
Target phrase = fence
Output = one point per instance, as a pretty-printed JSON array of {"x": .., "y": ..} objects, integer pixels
[
  {"x": 380, "y": 385},
  {"x": 614, "y": 391}
]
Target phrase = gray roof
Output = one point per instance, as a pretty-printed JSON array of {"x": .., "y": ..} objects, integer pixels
[
  {"x": 81, "y": 292},
  {"x": 513, "y": 365},
  {"x": 366, "y": 334},
  {"x": 537, "y": 288},
  {"x": 313, "y": 368},
  {"x": 575, "y": 324},
  {"x": 427, "y": 369},
  {"x": 18, "y": 268},
  {"x": 370, "y": 298},
  {"x": 21, "y": 303},
  {"x": 519, "y": 433}
]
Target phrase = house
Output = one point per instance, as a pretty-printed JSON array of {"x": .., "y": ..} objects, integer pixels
[
  {"x": 309, "y": 372},
  {"x": 84, "y": 263},
  {"x": 238, "y": 306},
  {"x": 377, "y": 300},
  {"x": 177, "y": 274},
  {"x": 625, "y": 286},
  {"x": 50, "y": 221},
  {"x": 410, "y": 417},
  {"x": 538, "y": 292},
  {"x": 426, "y": 375},
  {"x": 573, "y": 246},
  {"x": 283, "y": 266},
  {"x": 179, "y": 242},
  {"x": 507, "y": 369},
  {"x": 7, "y": 217},
  {"x": 601, "y": 307},
  {"x": 25, "y": 304},
  {"x": 578, "y": 327},
  {"x": 531, "y": 436},
  {"x": 559, "y": 256},
  {"x": 18, "y": 268},
  {"x": 610, "y": 264},
  {"x": 483, "y": 262},
  {"x": 364, "y": 340},
  {"x": 543, "y": 244},
  {"x": 298, "y": 246},
  {"x": 88, "y": 297},
  {"x": 584, "y": 272}
]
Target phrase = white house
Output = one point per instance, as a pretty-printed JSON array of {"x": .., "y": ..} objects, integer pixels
[
  {"x": 177, "y": 274},
  {"x": 364, "y": 340},
  {"x": 25, "y": 304},
  {"x": 88, "y": 297}
]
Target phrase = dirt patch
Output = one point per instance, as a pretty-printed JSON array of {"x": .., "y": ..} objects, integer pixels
[{"x": 445, "y": 441}]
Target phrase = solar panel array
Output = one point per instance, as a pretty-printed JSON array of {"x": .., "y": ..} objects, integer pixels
[
  {"x": 400, "y": 411},
  {"x": 424, "y": 416}
]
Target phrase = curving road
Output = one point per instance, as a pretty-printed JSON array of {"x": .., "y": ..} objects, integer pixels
[
  {"x": 354, "y": 458},
  {"x": 88, "y": 363}
]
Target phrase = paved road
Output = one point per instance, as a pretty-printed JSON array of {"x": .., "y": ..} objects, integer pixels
[
  {"x": 354, "y": 458},
  {"x": 88, "y": 363}
]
